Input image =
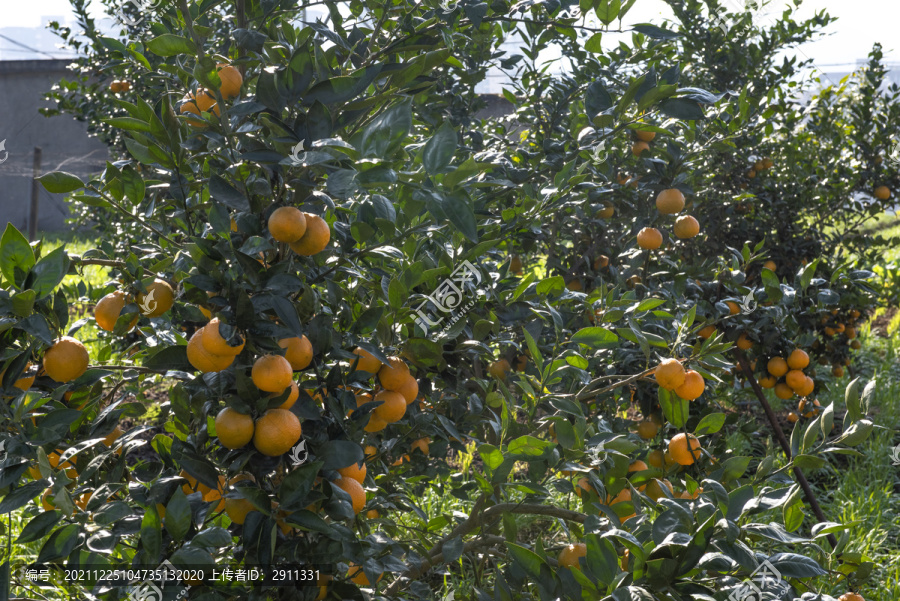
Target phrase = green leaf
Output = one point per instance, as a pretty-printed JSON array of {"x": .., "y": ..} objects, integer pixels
[
  {"x": 128, "y": 124},
  {"x": 169, "y": 44},
  {"x": 710, "y": 424},
  {"x": 596, "y": 337},
  {"x": 38, "y": 527},
  {"x": 50, "y": 271},
  {"x": 656, "y": 32},
  {"x": 459, "y": 211},
  {"x": 681, "y": 108},
  {"x": 792, "y": 565},
  {"x": 851, "y": 394},
  {"x": 336, "y": 454},
  {"x": 384, "y": 135},
  {"x": 593, "y": 43},
  {"x": 170, "y": 358},
  {"x": 60, "y": 182},
  {"x": 213, "y": 537},
  {"x": 22, "y": 495},
  {"x": 528, "y": 446},
  {"x": 15, "y": 252},
  {"x": 60, "y": 544},
  {"x": 793, "y": 514},
  {"x": 607, "y": 10},
  {"x": 528, "y": 560},
  {"x": 809, "y": 462},
  {"x": 440, "y": 149},
  {"x": 674, "y": 407},
  {"x": 178, "y": 515},
  {"x": 222, "y": 191}
]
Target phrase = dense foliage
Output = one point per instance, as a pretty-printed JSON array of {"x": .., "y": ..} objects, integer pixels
[{"x": 535, "y": 368}]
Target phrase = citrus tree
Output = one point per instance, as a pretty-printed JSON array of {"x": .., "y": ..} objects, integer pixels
[{"x": 406, "y": 348}]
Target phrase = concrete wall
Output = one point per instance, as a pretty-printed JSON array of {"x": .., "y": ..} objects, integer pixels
[{"x": 64, "y": 143}]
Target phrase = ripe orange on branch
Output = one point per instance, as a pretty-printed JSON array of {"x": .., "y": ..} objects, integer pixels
[
  {"x": 569, "y": 556},
  {"x": 367, "y": 361},
  {"x": 314, "y": 239},
  {"x": 66, "y": 360},
  {"x": 355, "y": 490},
  {"x": 287, "y": 224},
  {"x": 670, "y": 201},
  {"x": 692, "y": 387},
  {"x": 649, "y": 238},
  {"x": 272, "y": 373},
  {"x": 686, "y": 227},
  {"x": 196, "y": 104},
  {"x": 232, "y": 80},
  {"x": 202, "y": 359},
  {"x": 685, "y": 449},
  {"x": 108, "y": 309},
  {"x": 276, "y": 432},
  {"x": 159, "y": 298},
  {"x": 215, "y": 344},
  {"x": 298, "y": 351},
  {"x": 669, "y": 374},
  {"x": 233, "y": 429},
  {"x": 393, "y": 406},
  {"x": 394, "y": 373}
]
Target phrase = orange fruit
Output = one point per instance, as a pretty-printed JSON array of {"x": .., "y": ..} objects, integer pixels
[
  {"x": 882, "y": 192},
  {"x": 733, "y": 307},
  {"x": 768, "y": 381},
  {"x": 751, "y": 174},
  {"x": 601, "y": 262},
  {"x": 237, "y": 509},
  {"x": 670, "y": 201},
  {"x": 298, "y": 351},
  {"x": 202, "y": 359},
  {"x": 355, "y": 471},
  {"x": 838, "y": 371},
  {"x": 202, "y": 102},
  {"x": 215, "y": 344},
  {"x": 410, "y": 389},
  {"x": 113, "y": 436},
  {"x": 678, "y": 448},
  {"x": 499, "y": 368},
  {"x": 656, "y": 459},
  {"x": 768, "y": 163},
  {"x": 575, "y": 285},
  {"x": 287, "y": 224},
  {"x": 793, "y": 417},
  {"x": 370, "y": 451},
  {"x": 272, "y": 373},
  {"x": 686, "y": 227},
  {"x": 798, "y": 359},
  {"x": 393, "y": 407},
  {"x": 583, "y": 485},
  {"x": 646, "y": 429},
  {"x": 638, "y": 147},
  {"x": 276, "y": 432},
  {"x": 649, "y": 238},
  {"x": 376, "y": 424},
  {"x": 706, "y": 332},
  {"x": 606, "y": 212},
  {"x": 654, "y": 489},
  {"x": 851, "y": 597},
  {"x": 231, "y": 81},
  {"x": 67, "y": 465},
  {"x": 795, "y": 379},
  {"x": 515, "y": 264},
  {"x": 393, "y": 375},
  {"x": 692, "y": 387},
  {"x": 233, "y": 429},
  {"x": 744, "y": 343},
  {"x": 108, "y": 309},
  {"x": 850, "y": 333},
  {"x": 358, "y": 577},
  {"x": 770, "y": 265},
  {"x": 293, "y": 395},
  {"x": 355, "y": 490},
  {"x": 783, "y": 391},
  {"x": 421, "y": 444},
  {"x": 637, "y": 466},
  {"x": 159, "y": 299},
  {"x": 314, "y": 239},
  {"x": 26, "y": 381},
  {"x": 624, "y": 496},
  {"x": 644, "y": 136},
  {"x": 569, "y": 556},
  {"x": 669, "y": 374},
  {"x": 66, "y": 359},
  {"x": 373, "y": 514},
  {"x": 367, "y": 361},
  {"x": 777, "y": 366}
]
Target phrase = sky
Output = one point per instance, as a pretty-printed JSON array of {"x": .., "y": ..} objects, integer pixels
[{"x": 860, "y": 23}]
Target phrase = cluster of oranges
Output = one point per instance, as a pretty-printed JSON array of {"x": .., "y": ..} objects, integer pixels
[
  {"x": 669, "y": 202},
  {"x": 642, "y": 142},
  {"x": 685, "y": 383},
  {"x": 807, "y": 408},
  {"x": 119, "y": 85},
  {"x": 158, "y": 299},
  {"x": 399, "y": 389},
  {"x": 306, "y": 233},
  {"x": 760, "y": 166},
  {"x": 786, "y": 376},
  {"x": 204, "y": 101}
]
